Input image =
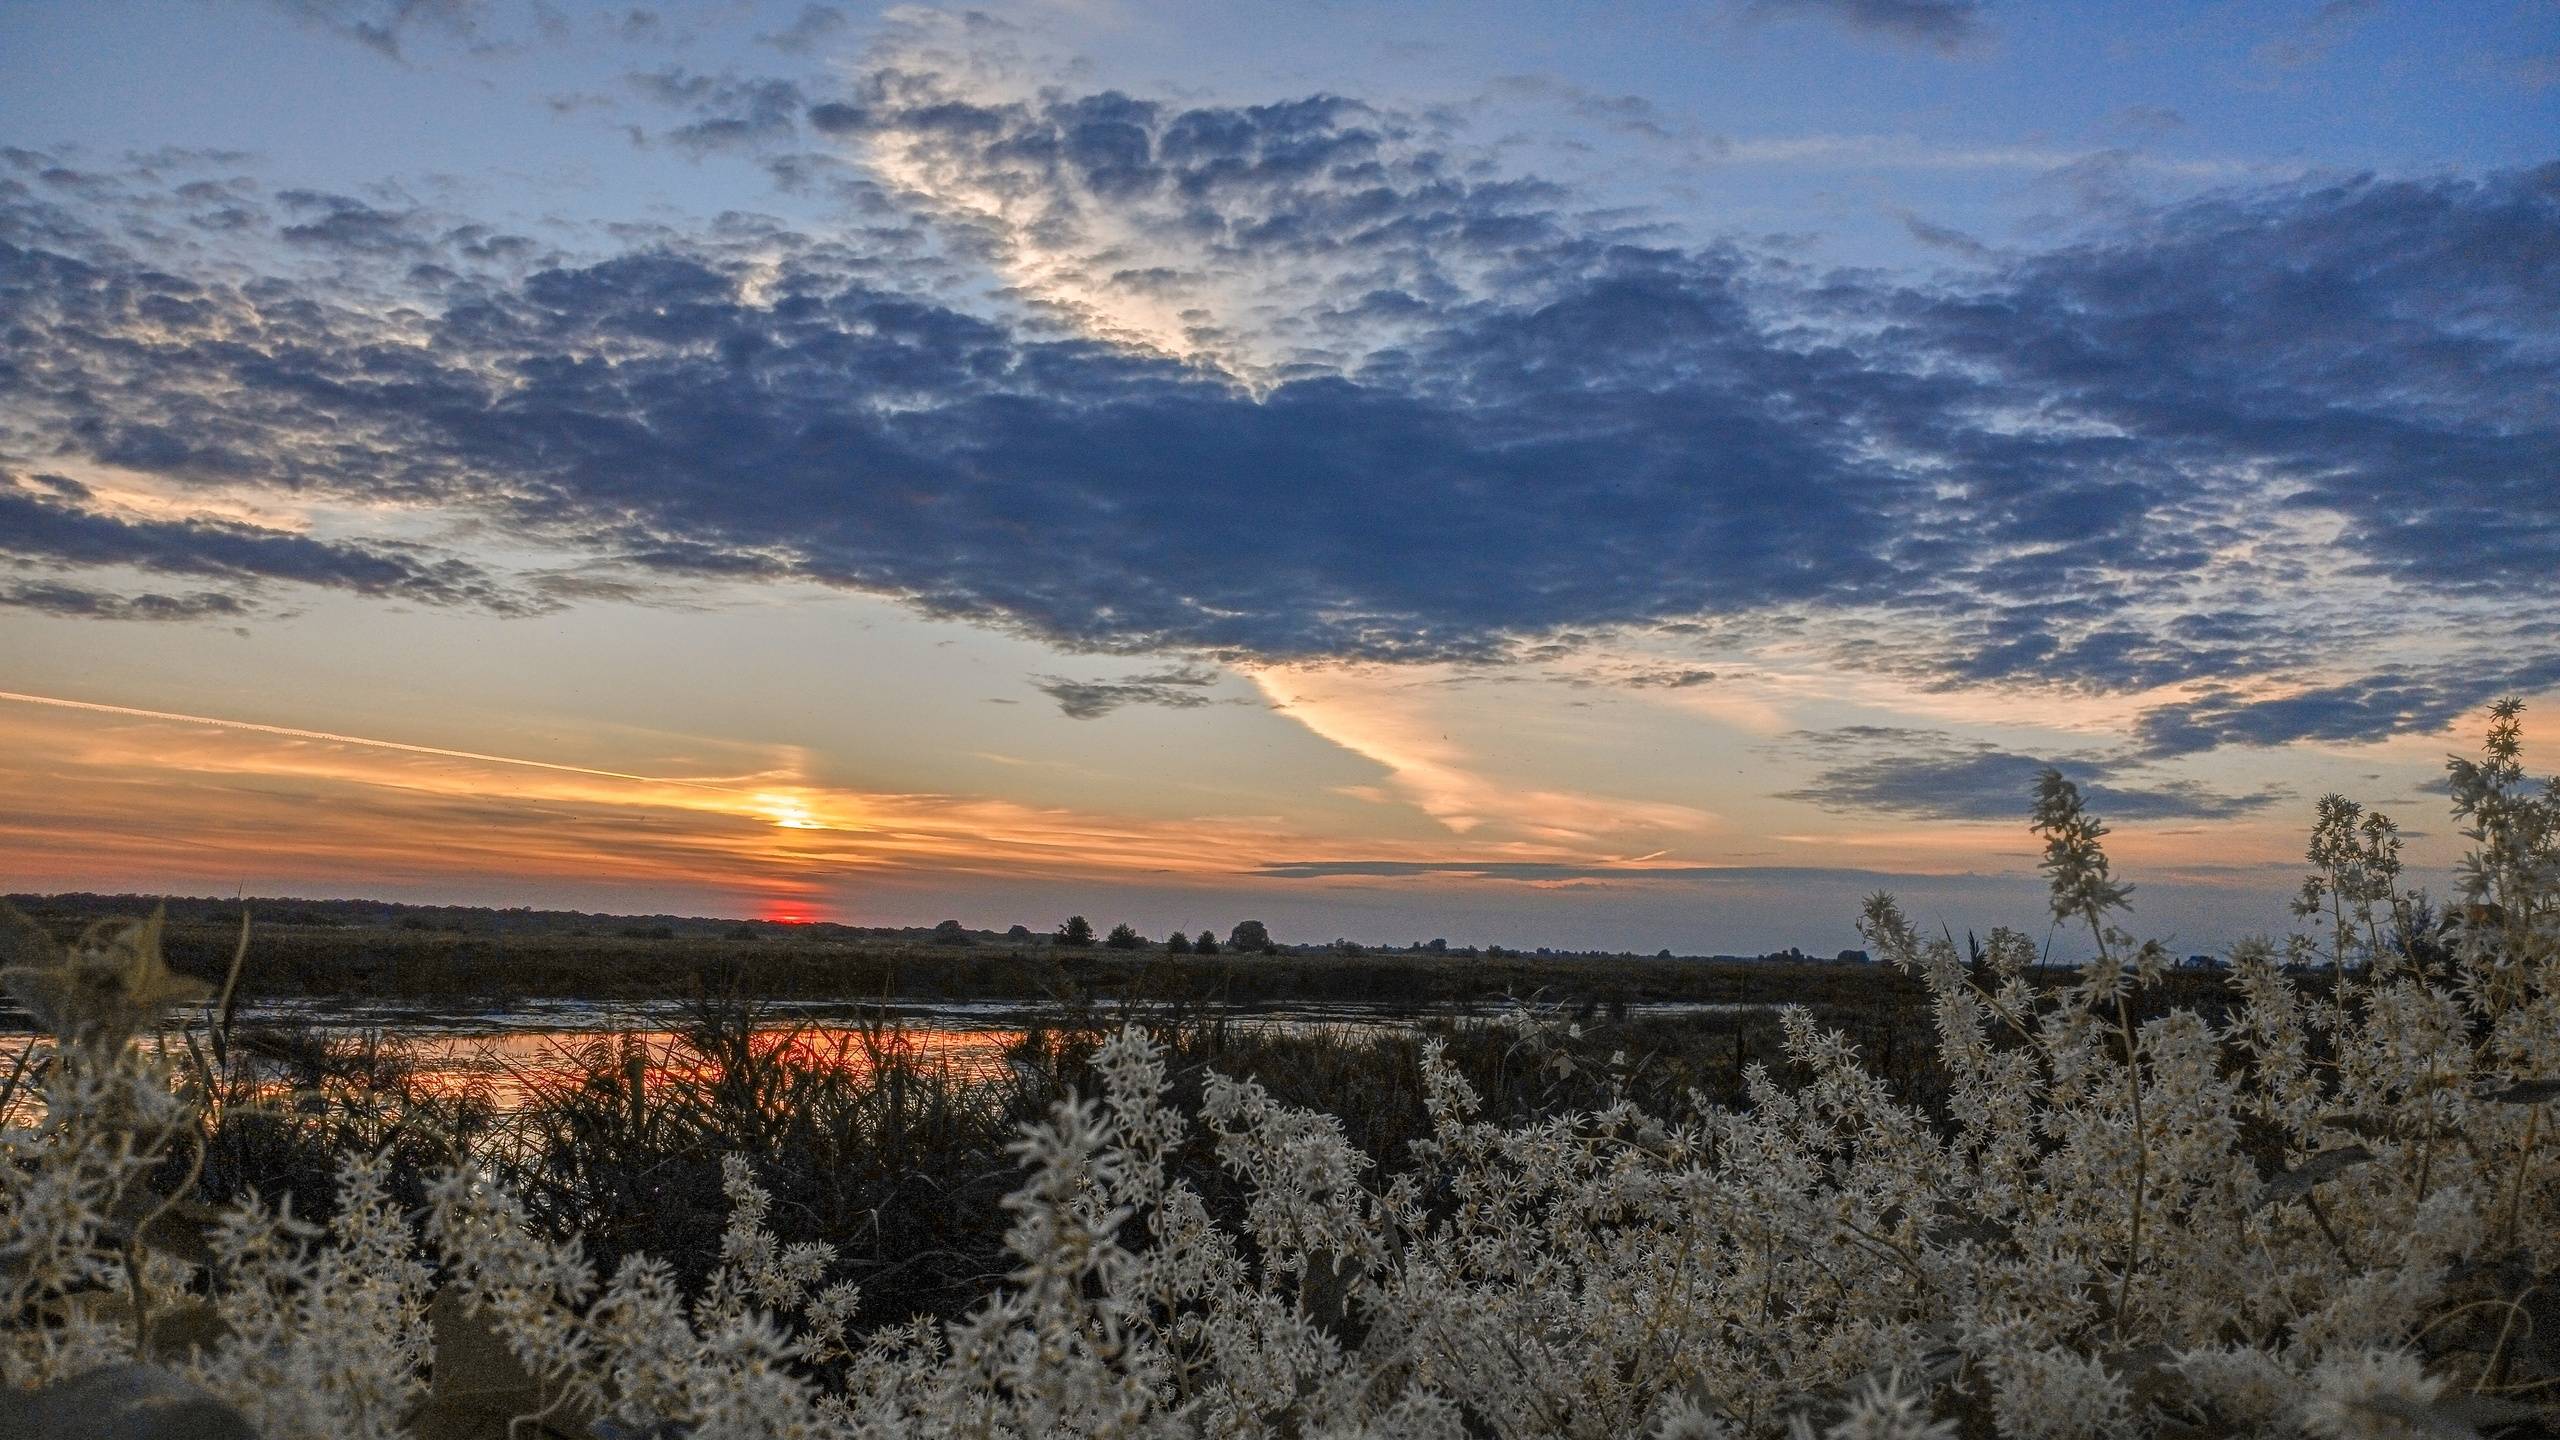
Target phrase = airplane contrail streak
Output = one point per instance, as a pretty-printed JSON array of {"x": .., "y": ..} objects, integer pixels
[{"x": 290, "y": 733}]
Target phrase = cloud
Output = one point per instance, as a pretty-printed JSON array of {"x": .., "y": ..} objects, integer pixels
[
  {"x": 1272, "y": 241},
  {"x": 81, "y": 603},
  {"x": 1181, "y": 688},
  {"x": 1298, "y": 383},
  {"x": 731, "y": 112},
  {"x": 2419, "y": 700},
  {"x": 1942, "y": 25},
  {"x": 1514, "y": 870},
  {"x": 339, "y": 222},
  {"x": 2364, "y": 348},
  {"x": 384, "y": 26},
  {"x": 1544, "y": 871},
  {"x": 50, "y": 521},
  {"x": 1627, "y": 114},
  {"x": 814, "y": 26},
  {"x": 1669, "y": 677},
  {"x": 2146, "y": 119},
  {"x": 351, "y": 809},
  {"x": 1931, "y": 775},
  {"x": 2311, "y": 42},
  {"x": 1415, "y": 728}
]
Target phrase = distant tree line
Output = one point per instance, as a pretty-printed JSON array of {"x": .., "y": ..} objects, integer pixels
[{"x": 1249, "y": 937}]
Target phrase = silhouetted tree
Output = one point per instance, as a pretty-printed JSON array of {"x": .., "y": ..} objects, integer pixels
[
  {"x": 1207, "y": 944},
  {"x": 1124, "y": 938},
  {"x": 1249, "y": 936},
  {"x": 1077, "y": 931},
  {"x": 1177, "y": 943}
]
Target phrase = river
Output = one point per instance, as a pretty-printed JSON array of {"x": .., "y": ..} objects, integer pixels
[{"x": 508, "y": 1051}]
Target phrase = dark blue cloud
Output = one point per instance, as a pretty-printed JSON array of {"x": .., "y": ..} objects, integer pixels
[
  {"x": 1888, "y": 770},
  {"x": 730, "y": 112},
  {"x": 385, "y": 26},
  {"x": 2392, "y": 702},
  {"x": 79, "y": 602},
  {"x": 814, "y": 26},
  {"x": 340, "y": 222},
  {"x": 1547, "y": 870},
  {"x": 1944, "y": 25},
  {"x": 2378, "y": 350},
  {"x": 1492, "y": 425},
  {"x": 1668, "y": 677},
  {"x": 1184, "y": 687},
  {"x": 46, "y": 522}
]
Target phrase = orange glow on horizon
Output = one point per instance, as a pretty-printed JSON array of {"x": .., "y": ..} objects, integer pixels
[
  {"x": 113, "y": 797},
  {"x": 159, "y": 800}
]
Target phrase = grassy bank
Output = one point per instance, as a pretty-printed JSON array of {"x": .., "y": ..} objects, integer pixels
[{"x": 291, "y": 959}]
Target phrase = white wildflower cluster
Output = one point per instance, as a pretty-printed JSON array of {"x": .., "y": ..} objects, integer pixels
[{"x": 2327, "y": 1209}]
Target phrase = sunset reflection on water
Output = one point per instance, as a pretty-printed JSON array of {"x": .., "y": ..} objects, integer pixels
[{"x": 505, "y": 1068}]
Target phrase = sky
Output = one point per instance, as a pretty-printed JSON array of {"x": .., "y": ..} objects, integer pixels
[{"x": 1624, "y": 477}]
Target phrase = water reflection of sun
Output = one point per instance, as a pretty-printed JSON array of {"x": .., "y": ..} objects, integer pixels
[
  {"x": 507, "y": 1069},
  {"x": 510, "y": 1069}
]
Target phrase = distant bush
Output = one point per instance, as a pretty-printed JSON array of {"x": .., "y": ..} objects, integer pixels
[
  {"x": 1077, "y": 931},
  {"x": 1177, "y": 943},
  {"x": 1124, "y": 938}
]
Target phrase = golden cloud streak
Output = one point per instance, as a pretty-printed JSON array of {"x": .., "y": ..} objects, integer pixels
[
  {"x": 289, "y": 732},
  {"x": 165, "y": 799}
]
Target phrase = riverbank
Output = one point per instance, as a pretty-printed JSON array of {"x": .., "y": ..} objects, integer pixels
[{"x": 496, "y": 961}]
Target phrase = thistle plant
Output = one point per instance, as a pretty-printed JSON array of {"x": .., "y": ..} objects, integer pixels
[
  {"x": 2075, "y": 866},
  {"x": 2510, "y": 879},
  {"x": 2327, "y": 1212},
  {"x": 2355, "y": 858}
]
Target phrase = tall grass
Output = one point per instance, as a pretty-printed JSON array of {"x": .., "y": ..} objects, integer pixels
[
  {"x": 891, "y": 1153},
  {"x": 902, "y": 1161}
]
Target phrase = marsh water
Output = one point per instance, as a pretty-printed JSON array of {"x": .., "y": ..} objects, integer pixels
[{"x": 506, "y": 1052}]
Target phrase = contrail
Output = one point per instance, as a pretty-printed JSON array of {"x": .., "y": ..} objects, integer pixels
[{"x": 291, "y": 733}]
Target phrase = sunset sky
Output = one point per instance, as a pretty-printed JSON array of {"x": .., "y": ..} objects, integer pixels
[{"x": 1619, "y": 476}]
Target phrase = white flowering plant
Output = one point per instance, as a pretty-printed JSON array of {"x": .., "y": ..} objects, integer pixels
[{"x": 2327, "y": 1209}]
